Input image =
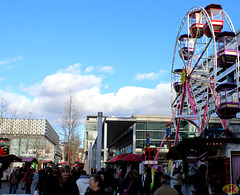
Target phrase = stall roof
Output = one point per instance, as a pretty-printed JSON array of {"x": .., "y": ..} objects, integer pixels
[
  {"x": 45, "y": 161},
  {"x": 29, "y": 159},
  {"x": 10, "y": 158},
  {"x": 115, "y": 158},
  {"x": 198, "y": 146},
  {"x": 130, "y": 157}
]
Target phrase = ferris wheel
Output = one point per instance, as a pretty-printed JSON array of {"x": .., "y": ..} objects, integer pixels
[{"x": 206, "y": 45}]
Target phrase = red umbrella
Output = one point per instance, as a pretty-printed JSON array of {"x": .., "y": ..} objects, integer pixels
[
  {"x": 131, "y": 157},
  {"x": 115, "y": 158}
]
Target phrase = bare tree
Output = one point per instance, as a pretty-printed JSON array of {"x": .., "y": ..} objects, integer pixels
[{"x": 69, "y": 123}]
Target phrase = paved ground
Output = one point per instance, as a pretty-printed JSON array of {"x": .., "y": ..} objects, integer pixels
[{"x": 5, "y": 188}]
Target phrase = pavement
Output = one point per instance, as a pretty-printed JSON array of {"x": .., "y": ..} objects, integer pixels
[{"x": 5, "y": 189}]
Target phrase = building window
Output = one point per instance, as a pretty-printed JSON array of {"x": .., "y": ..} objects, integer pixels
[
  {"x": 141, "y": 125},
  {"x": 141, "y": 134},
  {"x": 91, "y": 126}
]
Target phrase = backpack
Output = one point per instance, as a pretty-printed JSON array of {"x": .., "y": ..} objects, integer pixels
[{"x": 29, "y": 176}]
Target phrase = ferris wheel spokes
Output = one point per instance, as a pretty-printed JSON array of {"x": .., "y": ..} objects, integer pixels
[{"x": 194, "y": 97}]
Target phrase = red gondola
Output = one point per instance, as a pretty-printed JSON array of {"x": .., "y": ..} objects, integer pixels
[
  {"x": 228, "y": 105},
  {"x": 216, "y": 16},
  {"x": 186, "y": 46},
  {"x": 227, "y": 50},
  {"x": 177, "y": 80},
  {"x": 196, "y": 24}
]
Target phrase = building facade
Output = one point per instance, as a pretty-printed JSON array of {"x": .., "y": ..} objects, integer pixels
[
  {"x": 121, "y": 135},
  {"x": 91, "y": 128},
  {"x": 31, "y": 137}
]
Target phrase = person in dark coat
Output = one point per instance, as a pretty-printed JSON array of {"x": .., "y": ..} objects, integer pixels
[
  {"x": 76, "y": 173},
  {"x": 67, "y": 185},
  {"x": 157, "y": 180},
  {"x": 200, "y": 181},
  {"x": 94, "y": 186},
  {"x": 41, "y": 181},
  {"x": 51, "y": 181},
  {"x": 55, "y": 177},
  {"x": 147, "y": 181},
  {"x": 1, "y": 175},
  {"x": 131, "y": 184},
  {"x": 28, "y": 178},
  {"x": 13, "y": 179},
  {"x": 106, "y": 184}
]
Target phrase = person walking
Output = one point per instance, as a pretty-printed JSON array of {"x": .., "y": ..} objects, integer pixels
[
  {"x": 165, "y": 188},
  {"x": 82, "y": 183},
  {"x": 131, "y": 185},
  {"x": 41, "y": 181},
  {"x": 67, "y": 185},
  {"x": 146, "y": 181},
  {"x": 1, "y": 175},
  {"x": 28, "y": 178},
  {"x": 200, "y": 181},
  {"x": 8, "y": 173},
  {"x": 177, "y": 180},
  {"x": 13, "y": 180},
  {"x": 94, "y": 186}
]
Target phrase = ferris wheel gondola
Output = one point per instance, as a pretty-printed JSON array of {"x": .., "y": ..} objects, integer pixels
[{"x": 204, "y": 52}]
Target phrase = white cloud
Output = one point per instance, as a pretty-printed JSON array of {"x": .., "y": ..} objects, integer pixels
[
  {"x": 89, "y": 69},
  {"x": 100, "y": 68},
  {"x": 11, "y": 60},
  {"x": 61, "y": 83},
  {"x": 6, "y": 63},
  {"x": 127, "y": 101},
  {"x": 106, "y": 69},
  {"x": 75, "y": 68},
  {"x": 48, "y": 97},
  {"x": 150, "y": 76}
]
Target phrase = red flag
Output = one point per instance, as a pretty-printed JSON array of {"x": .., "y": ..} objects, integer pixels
[{"x": 70, "y": 153}]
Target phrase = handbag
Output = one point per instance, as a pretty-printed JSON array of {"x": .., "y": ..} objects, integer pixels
[{"x": 125, "y": 192}]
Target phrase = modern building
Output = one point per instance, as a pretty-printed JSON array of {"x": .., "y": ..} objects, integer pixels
[
  {"x": 91, "y": 127},
  {"x": 30, "y": 137},
  {"x": 121, "y": 135}
]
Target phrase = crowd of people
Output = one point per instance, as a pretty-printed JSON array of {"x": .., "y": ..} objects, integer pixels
[{"x": 66, "y": 180}]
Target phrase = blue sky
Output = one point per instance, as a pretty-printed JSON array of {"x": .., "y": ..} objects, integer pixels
[{"x": 116, "y": 55}]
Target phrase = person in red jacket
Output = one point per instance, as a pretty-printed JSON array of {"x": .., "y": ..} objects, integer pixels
[{"x": 28, "y": 178}]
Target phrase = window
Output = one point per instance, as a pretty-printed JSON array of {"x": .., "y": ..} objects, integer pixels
[
  {"x": 141, "y": 134},
  {"x": 92, "y": 126},
  {"x": 141, "y": 125},
  {"x": 156, "y": 126},
  {"x": 140, "y": 144}
]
